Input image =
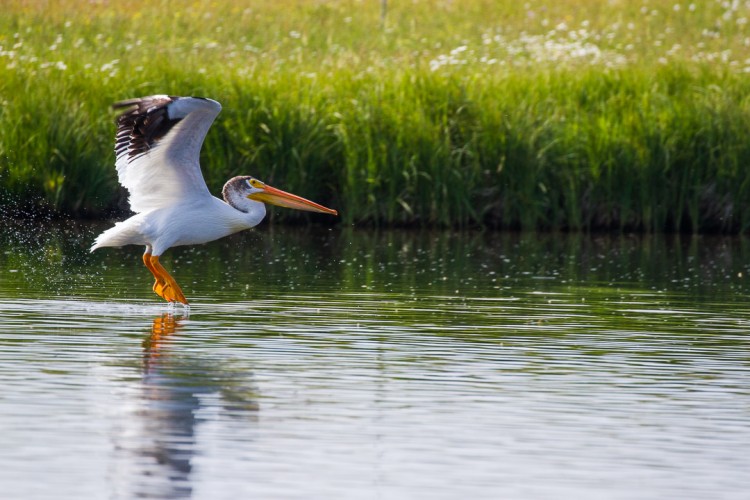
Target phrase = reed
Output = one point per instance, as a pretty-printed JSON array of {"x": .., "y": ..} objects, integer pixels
[{"x": 553, "y": 115}]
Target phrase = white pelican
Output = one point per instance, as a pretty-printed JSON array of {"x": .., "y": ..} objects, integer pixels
[{"x": 157, "y": 149}]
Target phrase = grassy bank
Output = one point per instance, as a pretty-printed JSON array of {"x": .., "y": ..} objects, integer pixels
[{"x": 569, "y": 114}]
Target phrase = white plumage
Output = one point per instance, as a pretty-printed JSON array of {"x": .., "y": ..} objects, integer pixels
[
  {"x": 179, "y": 174},
  {"x": 157, "y": 149}
]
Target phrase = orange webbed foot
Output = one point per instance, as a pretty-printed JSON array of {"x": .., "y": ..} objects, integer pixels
[{"x": 165, "y": 285}]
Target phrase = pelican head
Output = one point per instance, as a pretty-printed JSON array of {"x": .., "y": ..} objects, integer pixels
[{"x": 238, "y": 190}]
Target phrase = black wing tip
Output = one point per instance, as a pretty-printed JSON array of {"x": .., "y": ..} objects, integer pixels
[
  {"x": 147, "y": 105},
  {"x": 141, "y": 122},
  {"x": 142, "y": 105},
  {"x": 163, "y": 99}
]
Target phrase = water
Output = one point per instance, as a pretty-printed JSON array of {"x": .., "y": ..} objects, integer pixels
[{"x": 319, "y": 363}]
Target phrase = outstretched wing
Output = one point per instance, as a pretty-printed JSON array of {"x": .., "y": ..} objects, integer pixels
[{"x": 157, "y": 148}]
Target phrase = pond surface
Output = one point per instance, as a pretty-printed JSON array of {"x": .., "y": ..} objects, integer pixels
[{"x": 317, "y": 363}]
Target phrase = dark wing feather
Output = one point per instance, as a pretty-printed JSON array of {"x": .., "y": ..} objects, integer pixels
[
  {"x": 143, "y": 122},
  {"x": 157, "y": 148}
]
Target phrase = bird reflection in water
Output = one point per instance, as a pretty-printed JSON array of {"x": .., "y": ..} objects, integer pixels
[{"x": 178, "y": 393}]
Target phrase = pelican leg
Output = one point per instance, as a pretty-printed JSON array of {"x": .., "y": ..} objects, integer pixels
[
  {"x": 159, "y": 282},
  {"x": 170, "y": 290},
  {"x": 164, "y": 284}
]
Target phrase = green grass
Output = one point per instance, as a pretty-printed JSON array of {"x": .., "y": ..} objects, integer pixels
[{"x": 548, "y": 115}]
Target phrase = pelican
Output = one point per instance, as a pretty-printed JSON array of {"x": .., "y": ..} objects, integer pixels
[{"x": 157, "y": 149}]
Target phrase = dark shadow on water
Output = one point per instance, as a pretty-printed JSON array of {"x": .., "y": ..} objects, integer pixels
[{"x": 178, "y": 393}]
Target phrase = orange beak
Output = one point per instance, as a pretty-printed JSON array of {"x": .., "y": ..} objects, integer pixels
[{"x": 281, "y": 198}]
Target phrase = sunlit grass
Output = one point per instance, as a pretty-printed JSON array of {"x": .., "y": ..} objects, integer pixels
[{"x": 538, "y": 114}]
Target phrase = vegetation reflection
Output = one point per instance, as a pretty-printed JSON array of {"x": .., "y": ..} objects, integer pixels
[{"x": 176, "y": 389}]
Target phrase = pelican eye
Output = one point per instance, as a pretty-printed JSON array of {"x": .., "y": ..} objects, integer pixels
[{"x": 254, "y": 183}]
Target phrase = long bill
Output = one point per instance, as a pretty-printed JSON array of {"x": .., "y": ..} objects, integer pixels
[{"x": 281, "y": 198}]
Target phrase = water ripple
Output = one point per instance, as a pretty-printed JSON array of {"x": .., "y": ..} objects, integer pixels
[{"x": 543, "y": 389}]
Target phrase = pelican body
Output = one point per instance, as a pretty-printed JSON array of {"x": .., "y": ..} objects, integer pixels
[{"x": 157, "y": 149}]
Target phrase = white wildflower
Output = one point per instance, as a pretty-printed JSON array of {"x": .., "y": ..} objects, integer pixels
[{"x": 108, "y": 67}]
